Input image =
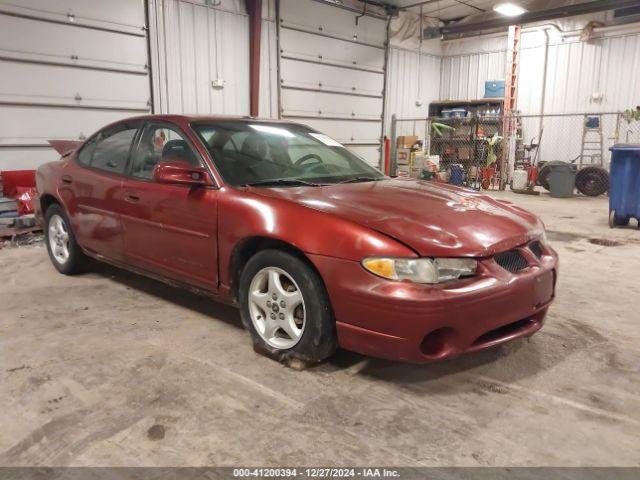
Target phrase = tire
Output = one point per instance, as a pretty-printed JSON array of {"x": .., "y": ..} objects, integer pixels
[
  {"x": 286, "y": 308},
  {"x": 592, "y": 181},
  {"x": 64, "y": 251}
]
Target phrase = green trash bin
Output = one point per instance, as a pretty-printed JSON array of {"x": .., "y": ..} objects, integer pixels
[{"x": 562, "y": 180}]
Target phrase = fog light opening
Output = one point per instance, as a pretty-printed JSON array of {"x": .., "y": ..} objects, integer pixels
[{"x": 439, "y": 343}]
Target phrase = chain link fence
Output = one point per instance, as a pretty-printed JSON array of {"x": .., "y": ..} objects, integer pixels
[{"x": 517, "y": 151}]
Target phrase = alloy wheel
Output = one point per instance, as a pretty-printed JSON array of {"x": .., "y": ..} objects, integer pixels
[
  {"x": 58, "y": 239},
  {"x": 277, "y": 308}
]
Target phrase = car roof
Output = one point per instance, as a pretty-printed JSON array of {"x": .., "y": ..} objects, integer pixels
[{"x": 200, "y": 118}]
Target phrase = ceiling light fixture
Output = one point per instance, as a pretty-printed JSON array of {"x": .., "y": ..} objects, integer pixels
[{"x": 508, "y": 9}]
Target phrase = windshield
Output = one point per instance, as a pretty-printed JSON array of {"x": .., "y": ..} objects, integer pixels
[{"x": 280, "y": 154}]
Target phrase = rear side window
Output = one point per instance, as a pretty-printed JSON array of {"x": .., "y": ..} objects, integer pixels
[
  {"x": 111, "y": 151},
  {"x": 86, "y": 153}
]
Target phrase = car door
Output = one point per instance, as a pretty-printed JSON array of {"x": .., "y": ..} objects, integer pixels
[
  {"x": 169, "y": 229},
  {"x": 91, "y": 189}
]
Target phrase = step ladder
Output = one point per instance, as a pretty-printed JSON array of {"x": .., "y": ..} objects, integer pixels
[{"x": 592, "y": 141}]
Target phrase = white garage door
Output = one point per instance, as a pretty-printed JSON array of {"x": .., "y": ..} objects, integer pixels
[
  {"x": 332, "y": 73},
  {"x": 68, "y": 68}
]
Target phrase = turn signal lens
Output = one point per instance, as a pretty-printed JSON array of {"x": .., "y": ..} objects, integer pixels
[
  {"x": 421, "y": 270},
  {"x": 382, "y": 267}
]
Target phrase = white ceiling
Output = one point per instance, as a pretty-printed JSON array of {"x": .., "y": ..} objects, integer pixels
[{"x": 451, "y": 9}]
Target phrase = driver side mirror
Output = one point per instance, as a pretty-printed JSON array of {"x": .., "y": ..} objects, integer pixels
[{"x": 181, "y": 172}]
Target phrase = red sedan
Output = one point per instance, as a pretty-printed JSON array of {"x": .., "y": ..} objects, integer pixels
[{"x": 317, "y": 248}]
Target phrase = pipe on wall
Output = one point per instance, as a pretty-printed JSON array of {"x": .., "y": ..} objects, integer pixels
[
  {"x": 543, "y": 92},
  {"x": 254, "y": 9}
]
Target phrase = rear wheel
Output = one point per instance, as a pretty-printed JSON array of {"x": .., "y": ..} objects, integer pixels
[
  {"x": 64, "y": 252},
  {"x": 285, "y": 307}
]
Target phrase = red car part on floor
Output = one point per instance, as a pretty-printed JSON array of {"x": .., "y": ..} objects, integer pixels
[
  {"x": 198, "y": 236},
  {"x": 12, "y": 179}
]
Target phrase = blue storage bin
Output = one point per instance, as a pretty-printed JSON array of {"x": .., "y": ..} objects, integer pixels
[
  {"x": 494, "y": 89},
  {"x": 457, "y": 175},
  {"x": 624, "y": 190}
]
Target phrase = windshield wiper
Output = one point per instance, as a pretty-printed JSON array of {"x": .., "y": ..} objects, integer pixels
[
  {"x": 360, "y": 179},
  {"x": 282, "y": 181}
]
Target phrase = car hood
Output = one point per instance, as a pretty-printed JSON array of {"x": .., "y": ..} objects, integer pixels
[{"x": 433, "y": 219}]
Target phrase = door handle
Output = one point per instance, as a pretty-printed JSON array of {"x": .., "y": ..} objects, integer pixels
[
  {"x": 66, "y": 179},
  {"x": 131, "y": 197}
]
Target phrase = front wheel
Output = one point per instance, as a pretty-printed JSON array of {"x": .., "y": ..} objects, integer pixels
[
  {"x": 285, "y": 307},
  {"x": 64, "y": 252}
]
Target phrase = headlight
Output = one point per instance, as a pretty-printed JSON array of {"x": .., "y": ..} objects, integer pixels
[{"x": 421, "y": 270}]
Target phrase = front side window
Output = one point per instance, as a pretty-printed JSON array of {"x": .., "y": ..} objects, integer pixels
[
  {"x": 262, "y": 153},
  {"x": 109, "y": 151},
  {"x": 161, "y": 144}
]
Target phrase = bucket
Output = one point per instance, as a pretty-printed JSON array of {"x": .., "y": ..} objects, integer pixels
[
  {"x": 487, "y": 175},
  {"x": 562, "y": 180}
]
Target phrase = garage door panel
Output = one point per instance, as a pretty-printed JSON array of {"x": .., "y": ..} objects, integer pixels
[
  {"x": 315, "y": 16},
  {"x": 122, "y": 15},
  {"x": 22, "y": 83},
  {"x": 52, "y": 123},
  {"x": 345, "y": 131},
  {"x": 69, "y": 67},
  {"x": 49, "y": 42},
  {"x": 369, "y": 154},
  {"x": 327, "y": 77},
  {"x": 329, "y": 50},
  {"x": 296, "y": 102},
  {"x": 330, "y": 80},
  {"x": 26, "y": 158}
]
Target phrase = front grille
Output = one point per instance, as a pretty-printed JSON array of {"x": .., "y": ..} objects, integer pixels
[
  {"x": 505, "y": 331},
  {"x": 536, "y": 249},
  {"x": 512, "y": 261}
]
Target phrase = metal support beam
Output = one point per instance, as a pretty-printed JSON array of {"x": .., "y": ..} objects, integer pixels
[
  {"x": 254, "y": 9},
  {"x": 492, "y": 20}
]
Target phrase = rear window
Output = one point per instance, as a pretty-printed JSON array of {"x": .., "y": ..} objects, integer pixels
[
  {"x": 111, "y": 153},
  {"x": 109, "y": 149},
  {"x": 86, "y": 153}
]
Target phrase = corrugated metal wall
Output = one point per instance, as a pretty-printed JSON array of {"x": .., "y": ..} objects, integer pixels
[
  {"x": 411, "y": 77},
  {"x": 595, "y": 76},
  {"x": 467, "y": 64},
  {"x": 576, "y": 70},
  {"x": 192, "y": 45}
]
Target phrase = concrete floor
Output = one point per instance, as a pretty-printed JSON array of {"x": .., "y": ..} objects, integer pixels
[{"x": 91, "y": 363}]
